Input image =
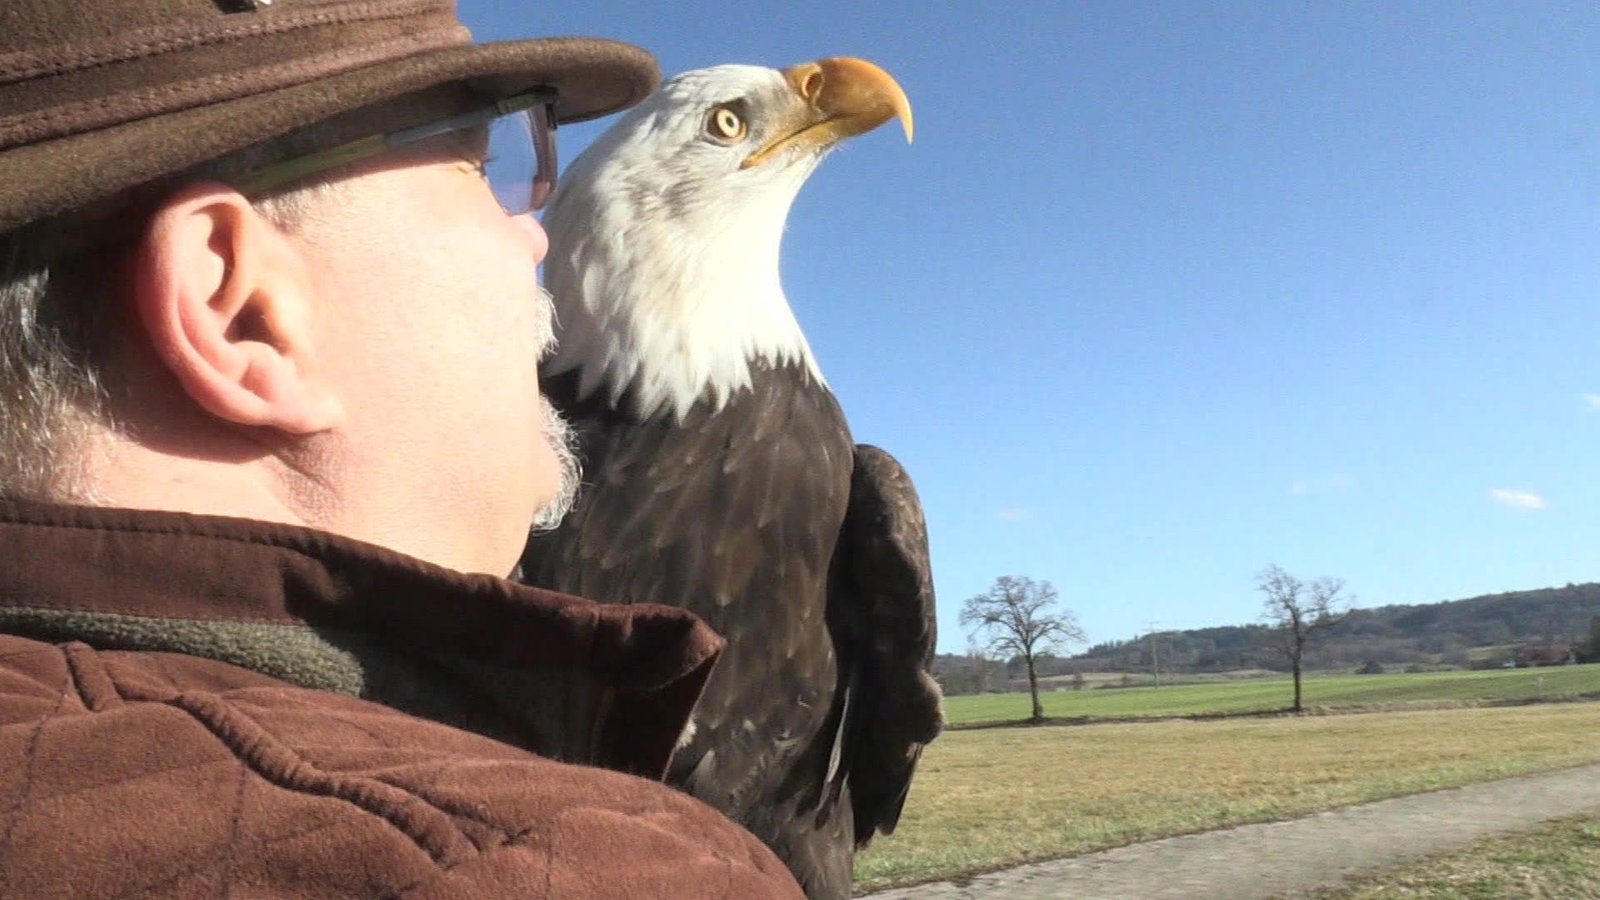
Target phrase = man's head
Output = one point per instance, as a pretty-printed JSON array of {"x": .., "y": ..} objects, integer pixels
[{"x": 357, "y": 352}]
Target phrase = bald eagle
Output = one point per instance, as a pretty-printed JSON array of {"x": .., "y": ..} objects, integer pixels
[{"x": 720, "y": 473}]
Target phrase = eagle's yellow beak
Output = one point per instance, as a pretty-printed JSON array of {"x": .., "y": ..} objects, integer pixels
[{"x": 836, "y": 98}]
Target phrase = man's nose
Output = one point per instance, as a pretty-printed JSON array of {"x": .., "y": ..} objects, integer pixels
[{"x": 536, "y": 235}]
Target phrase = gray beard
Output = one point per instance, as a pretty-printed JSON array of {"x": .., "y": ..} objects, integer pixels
[{"x": 559, "y": 435}]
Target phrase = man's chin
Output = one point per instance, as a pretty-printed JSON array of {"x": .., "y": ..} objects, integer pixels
[
  {"x": 549, "y": 517},
  {"x": 562, "y": 444}
]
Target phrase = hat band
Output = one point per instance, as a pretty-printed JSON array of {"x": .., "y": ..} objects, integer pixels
[{"x": 218, "y": 59}]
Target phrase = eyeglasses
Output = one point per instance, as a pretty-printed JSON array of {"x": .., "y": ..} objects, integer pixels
[{"x": 520, "y": 164}]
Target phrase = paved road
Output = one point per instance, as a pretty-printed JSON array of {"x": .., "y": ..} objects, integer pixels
[{"x": 1282, "y": 859}]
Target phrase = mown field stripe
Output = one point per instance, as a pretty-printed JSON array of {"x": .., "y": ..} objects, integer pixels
[
  {"x": 1274, "y": 693},
  {"x": 992, "y": 798}
]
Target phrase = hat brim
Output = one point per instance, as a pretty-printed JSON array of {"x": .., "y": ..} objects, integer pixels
[{"x": 594, "y": 77}]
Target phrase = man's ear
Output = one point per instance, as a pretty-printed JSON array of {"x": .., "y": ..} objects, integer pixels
[{"x": 228, "y": 305}]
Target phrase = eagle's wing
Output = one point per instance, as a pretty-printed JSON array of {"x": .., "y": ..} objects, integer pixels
[
  {"x": 881, "y": 611},
  {"x": 733, "y": 516}
]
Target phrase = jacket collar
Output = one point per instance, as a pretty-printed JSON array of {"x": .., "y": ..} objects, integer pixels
[{"x": 607, "y": 684}]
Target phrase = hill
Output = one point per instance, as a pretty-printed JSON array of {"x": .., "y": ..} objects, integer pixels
[{"x": 1518, "y": 627}]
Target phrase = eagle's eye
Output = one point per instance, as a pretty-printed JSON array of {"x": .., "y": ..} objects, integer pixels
[{"x": 725, "y": 124}]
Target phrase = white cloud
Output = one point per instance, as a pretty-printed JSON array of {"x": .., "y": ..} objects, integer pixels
[
  {"x": 1014, "y": 514},
  {"x": 1322, "y": 484},
  {"x": 1517, "y": 499},
  {"x": 1592, "y": 401}
]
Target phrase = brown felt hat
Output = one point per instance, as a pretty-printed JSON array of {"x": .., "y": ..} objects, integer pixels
[{"x": 98, "y": 96}]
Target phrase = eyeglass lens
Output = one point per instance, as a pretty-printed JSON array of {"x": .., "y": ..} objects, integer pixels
[{"x": 521, "y": 162}]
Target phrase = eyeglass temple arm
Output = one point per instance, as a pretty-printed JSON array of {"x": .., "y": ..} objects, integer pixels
[{"x": 295, "y": 169}]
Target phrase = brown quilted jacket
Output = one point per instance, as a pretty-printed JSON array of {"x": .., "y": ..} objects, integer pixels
[{"x": 187, "y": 710}]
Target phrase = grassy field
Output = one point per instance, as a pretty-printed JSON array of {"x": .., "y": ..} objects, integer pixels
[
  {"x": 989, "y": 798},
  {"x": 1270, "y": 693},
  {"x": 1561, "y": 860}
]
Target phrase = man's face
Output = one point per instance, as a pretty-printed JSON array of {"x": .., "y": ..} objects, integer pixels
[{"x": 434, "y": 324}]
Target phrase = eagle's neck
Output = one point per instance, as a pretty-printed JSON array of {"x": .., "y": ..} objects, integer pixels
[{"x": 670, "y": 310}]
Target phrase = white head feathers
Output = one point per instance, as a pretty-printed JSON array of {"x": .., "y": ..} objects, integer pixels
[{"x": 664, "y": 249}]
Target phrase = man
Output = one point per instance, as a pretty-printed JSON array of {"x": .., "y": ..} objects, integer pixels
[{"x": 270, "y": 433}]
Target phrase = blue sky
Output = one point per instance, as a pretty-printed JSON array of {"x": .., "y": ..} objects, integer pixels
[{"x": 1164, "y": 293}]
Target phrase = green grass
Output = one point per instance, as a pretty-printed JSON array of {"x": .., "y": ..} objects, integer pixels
[
  {"x": 1561, "y": 860},
  {"x": 989, "y": 798},
  {"x": 1275, "y": 693}
]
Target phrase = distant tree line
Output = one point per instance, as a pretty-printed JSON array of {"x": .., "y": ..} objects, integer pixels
[{"x": 1536, "y": 627}]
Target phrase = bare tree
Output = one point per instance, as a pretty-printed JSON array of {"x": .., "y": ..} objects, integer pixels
[
  {"x": 1588, "y": 650},
  {"x": 1298, "y": 609},
  {"x": 1015, "y": 618}
]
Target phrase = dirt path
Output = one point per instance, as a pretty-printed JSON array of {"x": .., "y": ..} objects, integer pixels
[{"x": 1281, "y": 859}]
